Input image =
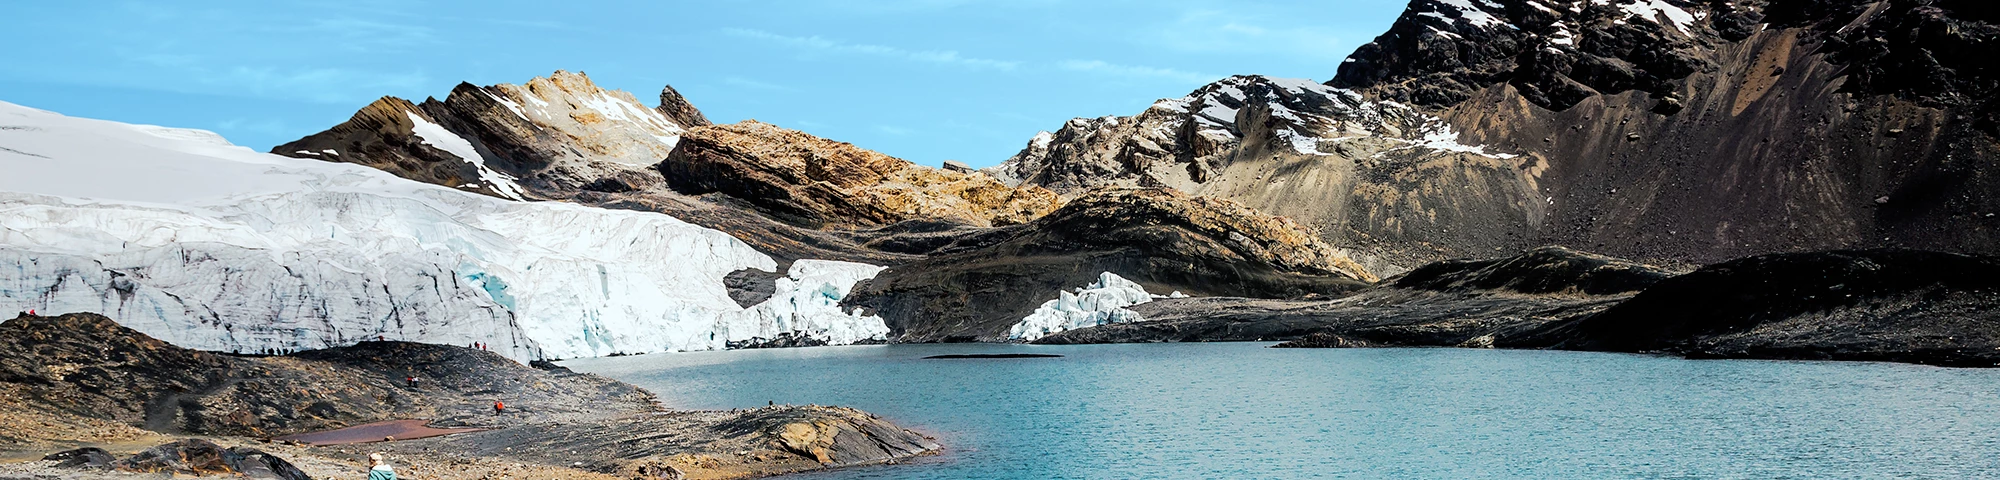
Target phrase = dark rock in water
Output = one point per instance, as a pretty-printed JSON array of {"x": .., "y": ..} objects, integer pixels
[
  {"x": 202, "y": 457},
  {"x": 1891, "y": 305},
  {"x": 1324, "y": 340},
  {"x": 783, "y": 340},
  {"x": 991, "y": 355},
  {"x": 87, "y": 457}
]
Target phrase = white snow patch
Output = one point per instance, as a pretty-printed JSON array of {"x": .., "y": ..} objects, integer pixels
[
  {"x": 1471, "y": 13},
  {"x": 436, "y": 136},
  {"x": 1099, "y": 303},
  {"x": 661, "y": 129},
  {"x": 511, "y": 106},
  {"x": 1651, "y": 10}
]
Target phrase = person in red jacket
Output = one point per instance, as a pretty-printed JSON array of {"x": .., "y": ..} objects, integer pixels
[{"x": 498, "y": 407}]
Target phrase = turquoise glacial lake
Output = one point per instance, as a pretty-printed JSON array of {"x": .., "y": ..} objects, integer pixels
[{"x": 1239, "y": 410}]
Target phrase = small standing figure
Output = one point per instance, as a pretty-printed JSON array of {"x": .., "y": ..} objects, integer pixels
[
  {"x": 498, "y": 407},
  {"x": 380, "y": 469},
  {"x": 412, "y": 380}
]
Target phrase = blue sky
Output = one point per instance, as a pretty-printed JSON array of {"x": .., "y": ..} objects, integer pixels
[{"x": 925, "y": 80}]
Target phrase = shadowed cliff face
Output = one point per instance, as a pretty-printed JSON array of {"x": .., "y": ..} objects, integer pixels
[
  {"x": 1715, "y": 130},
  {"x": 979, "y": 286},
  {"x": 1893, "y": 305}
]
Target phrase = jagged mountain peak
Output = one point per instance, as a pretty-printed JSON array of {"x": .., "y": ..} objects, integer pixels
[
  {"x": 561, "y": 132},
  {"x": 678, "y": 109}
]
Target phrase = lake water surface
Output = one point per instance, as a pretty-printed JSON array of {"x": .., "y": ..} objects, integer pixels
[{"x": 1239, "y": 410}]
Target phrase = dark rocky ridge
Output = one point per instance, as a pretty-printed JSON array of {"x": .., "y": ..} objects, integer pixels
[
  {"x": 89, "y": 366},
  {"x": 980, "y": 285},
  {"x": 1888, "y": 305},
  {"x": 1766, "y": 126},
  {"x": 1872, "y": 305},
  {"x": 1451, "y": 303}
]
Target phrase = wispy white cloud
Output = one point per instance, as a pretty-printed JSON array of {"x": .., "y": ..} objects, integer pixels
[
  {"x": 1206, "y": 30},
  {"x": 756, "y": 85},
  {"x": 893, "y": 130},
  {"x": 822, "y": 44},
  {"x": 198, "y": 74},
  {"x": 1137, "y": 71}
]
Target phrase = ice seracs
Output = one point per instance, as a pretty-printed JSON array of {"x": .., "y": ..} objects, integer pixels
[
  {"x": 1099, "y": 303},
  {"x": 185, "y": 237}
]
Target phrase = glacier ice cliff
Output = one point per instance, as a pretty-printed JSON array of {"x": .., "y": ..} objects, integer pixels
[
  {"x": 1099, "y": 303},
  {"x": 185, "y": 237}
]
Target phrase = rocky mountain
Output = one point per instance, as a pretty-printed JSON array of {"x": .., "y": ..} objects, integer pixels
[
  {"x": 557, "y": 133},
  {"x": 799, "y": 197},
  {"x": 1159, "y": 238},
  {"x": 814, "y": 181},
  {"x": 1383, "y": 177},
  {"x": 1668, "y": 130},
  {"x": 787, "y": 193},
  {"x": 1680, "y": 130}
]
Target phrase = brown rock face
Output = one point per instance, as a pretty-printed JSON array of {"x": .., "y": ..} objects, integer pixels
[
  {"x": 814, "y": 181},
  {"x": 1383, "y": 178},
  {"x": 980, "y": 285},
  {"x": 1746, "y": 127}
]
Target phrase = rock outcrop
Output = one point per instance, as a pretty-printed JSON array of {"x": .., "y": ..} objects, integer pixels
[
  {"x": 813, "y": 181},
  {"x": 1451, "y": 303},
  {"x": 1882, "y": 305},
  {"x": 1684, "y": 131},
  {"x": 89, "y": 366},
  {"x": 977, "y": 287},
  {"x": 1873, "y": 305},
  {"x": 1384, "y": 178},
  {"x": 86, "y": 367},
  {"x": 553, "y": 134}
]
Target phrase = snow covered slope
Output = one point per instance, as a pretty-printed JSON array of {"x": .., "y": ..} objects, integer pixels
[
  {"x": 182, "y": 236},
  {"x": 1099, "y": 303}
]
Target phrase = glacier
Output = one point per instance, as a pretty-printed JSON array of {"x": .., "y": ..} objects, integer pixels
[
  {"x": 185, "y": 237},
  {"x": 1099, "y": 303}
]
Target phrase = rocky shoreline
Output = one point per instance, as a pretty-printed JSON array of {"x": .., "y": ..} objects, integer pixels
[
  {"x": 1864, "y": 305},
  {"x": 81, "y": 380}
]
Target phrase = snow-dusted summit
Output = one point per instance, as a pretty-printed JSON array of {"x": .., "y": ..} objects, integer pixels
[{"x": 182, "y": 236}]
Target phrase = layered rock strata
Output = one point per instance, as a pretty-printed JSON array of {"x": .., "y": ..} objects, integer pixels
[{"x": 977, "y": 287}]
